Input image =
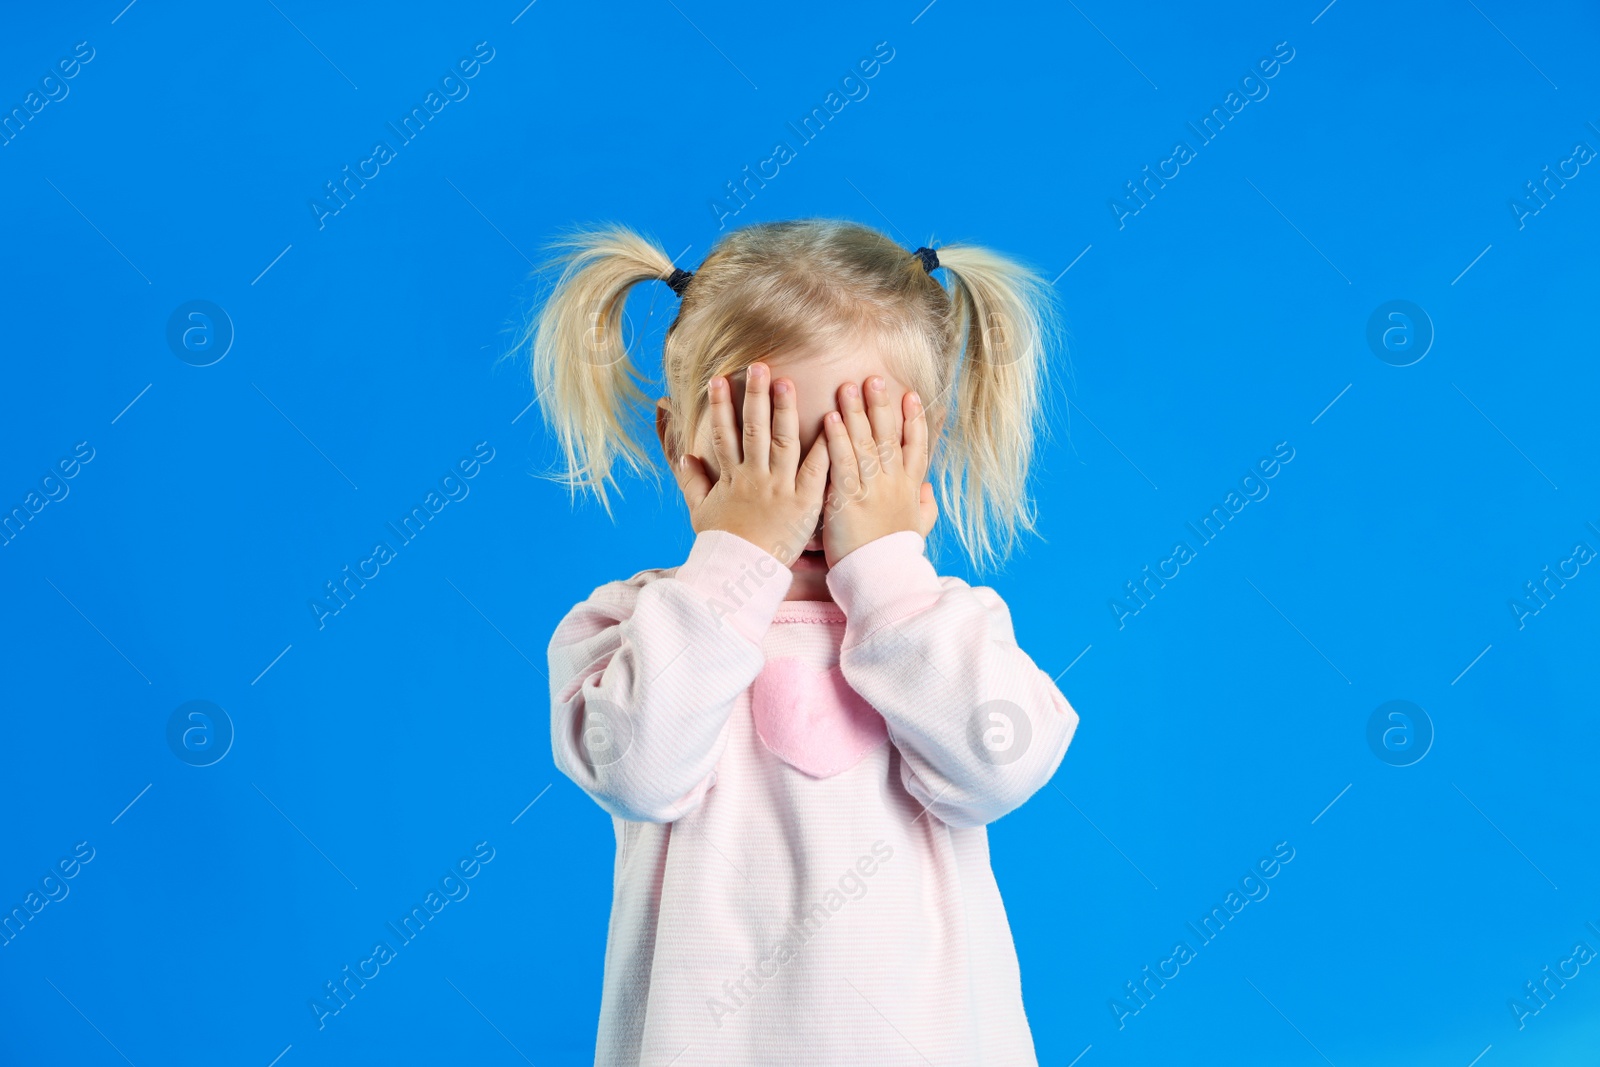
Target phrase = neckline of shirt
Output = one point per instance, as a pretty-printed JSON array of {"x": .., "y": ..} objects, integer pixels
[{"x": 808, "y": 611}]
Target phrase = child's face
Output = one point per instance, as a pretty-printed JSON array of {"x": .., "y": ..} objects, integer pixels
[
  {"x": 817, "y": 380},
  {"x": 817, "y": 377}
]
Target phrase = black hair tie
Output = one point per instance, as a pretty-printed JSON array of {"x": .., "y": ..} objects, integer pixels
[{"x": 679, "y": 280}]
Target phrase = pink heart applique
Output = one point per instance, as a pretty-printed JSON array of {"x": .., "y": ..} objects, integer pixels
[{"x": 813, "y": 720}]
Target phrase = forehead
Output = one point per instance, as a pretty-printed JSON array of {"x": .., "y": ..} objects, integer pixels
[{"x": 818, "y": 373}]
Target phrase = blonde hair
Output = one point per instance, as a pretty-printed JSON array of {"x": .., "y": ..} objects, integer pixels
[{"x": 976, "y": 352}]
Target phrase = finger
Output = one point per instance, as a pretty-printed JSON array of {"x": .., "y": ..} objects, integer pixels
[
  {"x": 786, "y": 428},
  {"x": 884, "y": 416},
  {"x": 812, "y": 478},
  {"x": 927, "y": 510},
  {"x": 724, "y": 435},
  {"x": 693, "y": 480},
  {"x": 915, "y": 450},
  {"x": 844, "y": 472},
  {"x": 859, "y": 429},
  {"x": 757, "y": 415}
]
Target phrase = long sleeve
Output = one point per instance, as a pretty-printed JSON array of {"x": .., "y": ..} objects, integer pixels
[
  {"x": 979, "y": 726},
  {"x": 644, "y": 675}
]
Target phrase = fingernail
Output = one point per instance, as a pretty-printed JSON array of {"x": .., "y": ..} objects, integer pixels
[
  {"x": 875, "y": 384},
  {"x": 851, "y": 391},
  {"x": 780, "y": 388},
  {"x": 757, "y": 370},
  {"x": 916, "y": 401},
  {"x": 832, "y": 418}
]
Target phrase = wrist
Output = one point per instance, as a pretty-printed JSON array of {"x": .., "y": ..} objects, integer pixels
[
  {"x": 857, "y": 539},
  {"x": 884, "y": 581},
  {"x": 740, "y": 582},
  {"x": 783, "y": 545}
]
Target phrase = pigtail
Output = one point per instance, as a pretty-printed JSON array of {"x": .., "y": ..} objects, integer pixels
[
  {"x": 1006, "y": 318},
  {"x": 585, "y": 380}
]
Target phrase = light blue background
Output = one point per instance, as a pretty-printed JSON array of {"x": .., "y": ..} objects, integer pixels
[{"x": 1223, "y": 318}]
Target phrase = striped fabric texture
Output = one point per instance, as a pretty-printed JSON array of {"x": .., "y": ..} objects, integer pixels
[{"x": 796, "y": 881}]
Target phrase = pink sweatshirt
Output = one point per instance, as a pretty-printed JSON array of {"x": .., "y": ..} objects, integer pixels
[{"x": 799, "y": 791}]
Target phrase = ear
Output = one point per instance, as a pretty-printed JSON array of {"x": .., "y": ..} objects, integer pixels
[{"x": 663, "y": 430}]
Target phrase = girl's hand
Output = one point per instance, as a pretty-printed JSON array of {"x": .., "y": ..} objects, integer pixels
[
  {"x": 763, "y": 491},
  {"x": 876, "y": 465}
]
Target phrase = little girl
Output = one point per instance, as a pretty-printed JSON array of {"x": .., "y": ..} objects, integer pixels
[{"x": 801, "y": 731}]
